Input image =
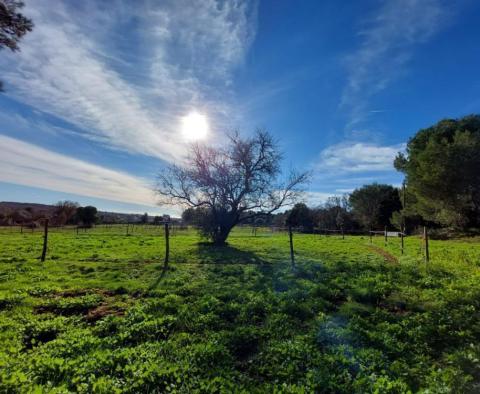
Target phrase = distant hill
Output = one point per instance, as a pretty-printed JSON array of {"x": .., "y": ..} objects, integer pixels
[
  {"x": 48, "y": 210},
  {"x": 14, "y": 206}
]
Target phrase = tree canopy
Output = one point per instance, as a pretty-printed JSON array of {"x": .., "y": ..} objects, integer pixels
[
  {"x": 87, "y": 215},
  {"x": 13, "y": 25},
  {"x": 229, "y": 181},
  {"x": 373, "y": 205},
  {"x": 301, "y": 216},
  {"x": 442, "y": 171}
]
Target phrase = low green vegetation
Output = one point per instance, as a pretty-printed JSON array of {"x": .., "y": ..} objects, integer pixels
[{"x": 103, "y": 315}]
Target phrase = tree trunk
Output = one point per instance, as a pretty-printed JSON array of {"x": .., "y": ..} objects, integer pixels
[{"x": 221, "y": 235}]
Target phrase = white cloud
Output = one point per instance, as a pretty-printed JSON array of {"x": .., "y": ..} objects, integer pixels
[
  {"x": 387, "y": 43},
  {"x": 26, "y": 164},
  {"x": 314, "y": 199},
  {"x": 128, "y": 91},
  {"x": 357, "y": 157}
]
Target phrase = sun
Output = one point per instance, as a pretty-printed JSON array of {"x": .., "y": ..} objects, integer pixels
[{"x": 194, "y": 126}]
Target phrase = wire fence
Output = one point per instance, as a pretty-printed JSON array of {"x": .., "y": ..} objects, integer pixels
[
  {"x": 172, "y": 229},
  {"x": 100, "y": 229}
]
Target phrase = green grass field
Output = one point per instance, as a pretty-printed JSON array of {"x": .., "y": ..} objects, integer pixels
[{"x": 103, "y": 315}]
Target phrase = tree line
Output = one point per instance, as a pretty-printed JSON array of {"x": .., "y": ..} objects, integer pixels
[{"x": 368, "y": 208}]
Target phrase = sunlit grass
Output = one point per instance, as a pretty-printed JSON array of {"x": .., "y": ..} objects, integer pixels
[{"x": 102, "y": 313}]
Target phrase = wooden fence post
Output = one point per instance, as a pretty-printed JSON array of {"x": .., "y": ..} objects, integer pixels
[
  {"x": 290, "y": 235},
  {"x": 386, "y": 236},
  {"x": 425, "y": 237},
  {"x": 167, "y": 243},
  {"x": 401, "y": 237},
  {"x": 45, "y": 240}
]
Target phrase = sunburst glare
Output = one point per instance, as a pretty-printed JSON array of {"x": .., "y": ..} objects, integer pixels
[{"x": 195, "y": 126}]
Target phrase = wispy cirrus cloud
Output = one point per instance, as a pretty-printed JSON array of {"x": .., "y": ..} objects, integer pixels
[
  {"x": 130, "y": 93},
  {"x": 357, "y": 157},
  {"x": 387, "y": 42},
  {"x": 26, "y": 164}
]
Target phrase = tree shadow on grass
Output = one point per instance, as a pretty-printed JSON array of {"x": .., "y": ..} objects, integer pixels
[
  {"x": 160, "y": 278},
  {"x": 218, "y": 255},
  {"x": 226, "y": 254}
]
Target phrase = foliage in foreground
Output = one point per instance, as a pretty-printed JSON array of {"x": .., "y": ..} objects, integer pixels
[{"x": 344, "y": 320}]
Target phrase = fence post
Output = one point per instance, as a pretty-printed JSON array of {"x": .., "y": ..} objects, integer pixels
[
  {"x": 425, "y": 237},
  {"x": 128, "y": 225},
  {"x": 167, "y": 243},
  {"x": 386, "y": 236},
  {"x": 45, "y": 239},
  {"x": 401, "y": 237},
  {"x": 370, "y": 233},
  {"x": 290, "y": 235}
]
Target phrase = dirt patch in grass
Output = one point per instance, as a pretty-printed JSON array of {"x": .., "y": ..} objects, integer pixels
[
  {"x": 93, "y": 304},
  {"x": 90, "y": 312},
  {"x": 103, "y": 310},
  {"x": 382, "y": 252},
  {"x": 83, "y": 292}
]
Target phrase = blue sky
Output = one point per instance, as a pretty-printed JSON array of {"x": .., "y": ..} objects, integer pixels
[{"x": 95, "y": 99}]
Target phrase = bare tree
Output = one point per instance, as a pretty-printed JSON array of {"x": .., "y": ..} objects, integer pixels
[
  {"x": 235, "y": 183},
  {"x": 64, "y": 211},
  {"x": 13, "y": 25}
]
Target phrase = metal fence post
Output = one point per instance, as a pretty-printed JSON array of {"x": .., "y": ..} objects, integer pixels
[
  {"x": 290, "y": 235},
  {"x": 401, "y": 236},
  {"x": 425, "y": 237},
  {"x": 167, "y": 243},
  {"x": 45, "y": 240}
]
